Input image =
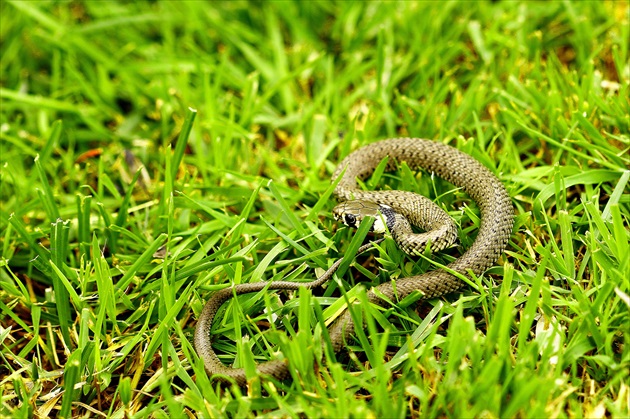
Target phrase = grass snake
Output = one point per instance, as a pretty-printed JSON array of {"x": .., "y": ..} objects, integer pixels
[{"x": 395, "y": 211}]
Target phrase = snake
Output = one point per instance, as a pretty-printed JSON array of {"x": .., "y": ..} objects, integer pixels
[{"x": 393, "y": 211}]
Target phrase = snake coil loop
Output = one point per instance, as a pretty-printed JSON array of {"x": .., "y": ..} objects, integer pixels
[{"x": 458, "y": 168}]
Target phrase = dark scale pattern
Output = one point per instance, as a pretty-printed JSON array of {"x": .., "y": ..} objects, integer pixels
[{"x": 497, "y": 217}]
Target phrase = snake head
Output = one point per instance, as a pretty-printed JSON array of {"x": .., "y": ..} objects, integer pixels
[{"x": 351, "y": 213}]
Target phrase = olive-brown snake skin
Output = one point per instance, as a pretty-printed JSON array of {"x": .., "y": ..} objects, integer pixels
[{"x": 458, "y": 168}]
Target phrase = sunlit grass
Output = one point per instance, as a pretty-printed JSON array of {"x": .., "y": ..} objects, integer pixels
[{"x": 153, "y": 153}]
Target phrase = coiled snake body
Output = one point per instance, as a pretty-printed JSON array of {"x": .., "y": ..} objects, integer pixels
[{"x": 393, "y": 209}]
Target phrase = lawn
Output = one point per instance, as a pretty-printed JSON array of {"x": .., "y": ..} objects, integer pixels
[{"x": 154, "y": 152}]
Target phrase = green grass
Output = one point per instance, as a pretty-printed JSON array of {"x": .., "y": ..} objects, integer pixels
[{"x": 123, "y": 209}]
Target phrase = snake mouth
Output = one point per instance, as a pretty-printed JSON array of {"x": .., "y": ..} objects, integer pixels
[
  {"x": 347, "y": 220},
  {"x": 352, "y": 213}
]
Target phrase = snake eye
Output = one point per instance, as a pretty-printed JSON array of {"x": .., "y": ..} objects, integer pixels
[{"x": 350, "y": 220}]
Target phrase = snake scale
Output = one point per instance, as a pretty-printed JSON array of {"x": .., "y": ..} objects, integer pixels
[{"x": 391, "y": 207}]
